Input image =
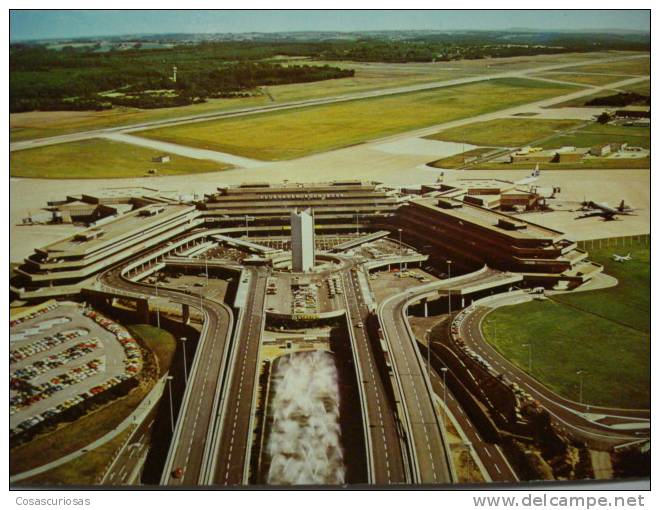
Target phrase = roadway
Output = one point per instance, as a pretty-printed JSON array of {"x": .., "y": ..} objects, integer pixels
[
  {"x": 196, "y": 419},
  {"x": 568, "y": 415},
  {"x": 385, "y": 447},
  {"x": 492, "y": 458},
  {"x": 430, "y": 457},
  {"x": 96, "y": 133},
  {"x": 231, "y": 446}
]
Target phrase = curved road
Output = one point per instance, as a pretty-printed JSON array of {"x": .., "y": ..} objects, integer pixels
[
  {"x": 569, "y": 415},
  {"x": 195, "y": 419}
]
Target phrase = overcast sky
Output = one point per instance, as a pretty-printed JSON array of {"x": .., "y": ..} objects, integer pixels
[{"x": 60, "y": 24}]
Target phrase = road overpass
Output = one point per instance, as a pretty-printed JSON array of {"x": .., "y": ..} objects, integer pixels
[{"x": 196, "y": 419}]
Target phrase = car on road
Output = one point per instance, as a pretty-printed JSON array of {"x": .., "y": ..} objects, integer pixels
[{"x": 177, "y": 473}]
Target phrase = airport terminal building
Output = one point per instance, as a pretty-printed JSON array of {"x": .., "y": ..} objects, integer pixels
[{"x": 446, "y": 228}]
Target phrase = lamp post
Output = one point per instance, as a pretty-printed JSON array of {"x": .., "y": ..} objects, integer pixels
[
  {"x": 247, "y": 232},
  {"x": 444, "y": 394},
  {"x": 400, "y": 249},
  {"x": 529, "y": 359},
  {"x": 468, "y": 449},
  {"x": 449, "y": 288},
  {"x": 581, "y": 374},
  {"x": 185, "y": 363},
  {"x": 206, "y": 267},
  {"x": 157, "y": 307},
  {"x": 169, "y": 387}
]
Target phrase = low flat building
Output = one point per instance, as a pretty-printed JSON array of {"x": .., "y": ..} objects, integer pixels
[
  {"x": 476, "y": 236},
  {"x": 60, "y": 267}
]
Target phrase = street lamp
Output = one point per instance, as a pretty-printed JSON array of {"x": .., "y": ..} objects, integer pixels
[
  {"x": 185, "y": 363},
  {"x": 449, "y": 289},
  {"x": 468, "y": 448},
  {"x": 247, "y": 232},
  {"x": 529, "y": 362},
  {"x": 581, "y": 374},
  {"x": 400, "y": 249},
  {"x": 157, "y": 307},
  {"x": 444, "y": 393},
  {"x": 169, "y": 387}
]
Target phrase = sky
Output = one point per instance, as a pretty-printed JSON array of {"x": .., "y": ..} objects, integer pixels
[{"x": 46, "y": 24}]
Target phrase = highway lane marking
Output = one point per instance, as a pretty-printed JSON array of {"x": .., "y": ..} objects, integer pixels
[
  {"x": 376, "y": 392},
  {"x": 419, "y": 409}
]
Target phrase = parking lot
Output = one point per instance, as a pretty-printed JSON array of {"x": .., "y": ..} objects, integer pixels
[{"x": 60, "y": 356}]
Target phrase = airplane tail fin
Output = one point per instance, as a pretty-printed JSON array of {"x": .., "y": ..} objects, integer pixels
[{"x": 622, "y": 205}]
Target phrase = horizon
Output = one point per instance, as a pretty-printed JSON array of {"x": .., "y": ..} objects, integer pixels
[{"x": 79, "y": 24}]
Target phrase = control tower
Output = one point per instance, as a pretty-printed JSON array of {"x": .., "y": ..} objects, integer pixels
[{"x": 302, "y": 240}]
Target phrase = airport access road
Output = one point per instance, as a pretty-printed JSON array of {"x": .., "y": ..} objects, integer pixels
[
  {"x": 230, "y": 451},
  {"x": 570, "y": 416},
  {"x": 195, "y": 419},
  {"x": 384, "y": 438},
  {"x": 492, "y": 458},
  {"x": 96, "y": 133}
]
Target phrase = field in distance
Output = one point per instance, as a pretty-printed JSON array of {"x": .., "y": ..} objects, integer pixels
[
  {"x": 604, "y": 332},
  {"x": 368, "y": 76},
  {"x": 96, "y": 159},
  {"x": 548, "y": 134},
  {"x": 295, "y": 133}
]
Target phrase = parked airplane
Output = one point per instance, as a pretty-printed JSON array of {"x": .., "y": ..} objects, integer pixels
[
  {"x": 604, "y": 210},
  {"x": 531, "y": 177},
  {"x": 621, "y": 258}
]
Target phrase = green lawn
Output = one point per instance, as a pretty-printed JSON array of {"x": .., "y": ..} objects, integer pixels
[
  {"x": 84, "y": 470},
  {"x": 96, "y": 159},
  {"x": 595, "y": 133},
  {"x": 605, "y": 332},
  {"x": 636, "y": 66},
  {"x": 295, "y": 133},
  {"x": 458, "y": 160},
  {"x": 508, "y": 132},
  {"x": 69, "y": 437},
  {"x": 588, "y": 79},
  {"x": 643, "y": 88},
  {"x": 159, "y": 341}
]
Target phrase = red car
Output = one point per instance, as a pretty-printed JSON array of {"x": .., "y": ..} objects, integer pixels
[{"x": 177, "y": 473}]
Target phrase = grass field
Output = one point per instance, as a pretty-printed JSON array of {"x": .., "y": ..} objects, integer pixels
[
  {"x": 586, "y": 79},
  {"x": 83, "y": 470},
  {"x": 594, "y": 134},
  {"x": 458, "y": 160},
  {"x": 605, "y": 332},
  {"x": 159, "y": 341},
  {"x": 585, "y": 164},
  {"x": 73, "y": 436},
  {"x": 295, "y": 133},
  {"x": 643, "y": 88},
  {"x": 505, "y": 132},
  {"x": 636, "y": 67},
  {"x": 95, "y": 159}
]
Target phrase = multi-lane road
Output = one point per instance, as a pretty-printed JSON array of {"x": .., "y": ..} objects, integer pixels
[
  {"x": 231, "y": 447},
  {"x": 384, "y": 439},
  {"x": 196, "y": 418}
]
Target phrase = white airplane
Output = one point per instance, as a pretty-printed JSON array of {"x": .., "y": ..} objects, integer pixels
[
  {"x": 621, "y": 258},
  {"x": 534, "y": 176}
]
